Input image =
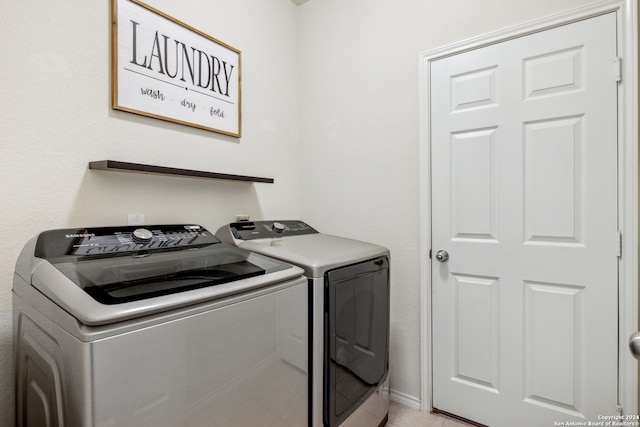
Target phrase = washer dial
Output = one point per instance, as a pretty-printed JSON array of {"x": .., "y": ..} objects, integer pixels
[{"x": 142, "y": 235}]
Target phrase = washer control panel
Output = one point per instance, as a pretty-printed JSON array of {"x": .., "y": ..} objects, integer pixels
[
  {"x": 251, "y": 230},
  {"x": 113, "y": 241}
]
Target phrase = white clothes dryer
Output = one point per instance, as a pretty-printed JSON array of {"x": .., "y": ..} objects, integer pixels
[{"x": 349, "y": 316}]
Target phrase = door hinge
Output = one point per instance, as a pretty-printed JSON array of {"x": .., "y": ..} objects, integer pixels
[
  {"x": 430, "y": 253},
  {"x": 619, "y": 244},
  {"x": 617, "y": 69}
]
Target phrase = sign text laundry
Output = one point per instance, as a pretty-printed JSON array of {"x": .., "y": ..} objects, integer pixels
[{"x": 176, "y": 60}]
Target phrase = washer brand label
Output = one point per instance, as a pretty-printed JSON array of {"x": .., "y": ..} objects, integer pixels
[{"x": 73, "y": 236}]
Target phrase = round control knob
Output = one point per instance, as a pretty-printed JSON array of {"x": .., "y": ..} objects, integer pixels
[
  {"x": 277, "y": 227},
  {"x": 142, "y": 235}
]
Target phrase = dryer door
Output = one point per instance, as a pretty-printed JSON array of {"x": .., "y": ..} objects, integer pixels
[{"x": 357, "y": 320}]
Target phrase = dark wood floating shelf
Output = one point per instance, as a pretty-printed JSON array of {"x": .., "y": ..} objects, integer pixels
[{"x": 114, "y": 165}]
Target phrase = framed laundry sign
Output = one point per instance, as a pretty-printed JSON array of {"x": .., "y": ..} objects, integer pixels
[{"x": 165, "y": 69}]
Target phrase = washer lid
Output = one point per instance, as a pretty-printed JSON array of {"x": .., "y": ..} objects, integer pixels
[
  {"x": 103, "y": 274},
  {"x": 116, "y": 280}
]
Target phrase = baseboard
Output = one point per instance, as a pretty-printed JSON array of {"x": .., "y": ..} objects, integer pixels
[{"x": 404, "y": 399}]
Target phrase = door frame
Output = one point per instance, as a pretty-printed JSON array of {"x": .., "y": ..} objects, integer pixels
[{"x": 628, "y": 185}]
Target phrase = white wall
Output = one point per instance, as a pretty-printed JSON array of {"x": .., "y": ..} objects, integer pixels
[
  {"x": 332, "y": 83},
  {"x": 56, "y": 116},
  {"x": 359, "y": 96}
]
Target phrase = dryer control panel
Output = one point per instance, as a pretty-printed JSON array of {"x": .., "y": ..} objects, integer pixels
[{"x": 251, "y": 230}]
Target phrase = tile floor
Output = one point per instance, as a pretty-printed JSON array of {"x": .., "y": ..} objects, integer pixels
[{"x": 404, "y": 416}]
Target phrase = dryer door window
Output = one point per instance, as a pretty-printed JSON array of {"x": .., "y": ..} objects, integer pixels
[{"x": 357, "y": 342}]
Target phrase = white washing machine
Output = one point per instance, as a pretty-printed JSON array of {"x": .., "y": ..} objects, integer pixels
[
  {"x": 157, "y": 326},
  {"x": 349, "y": 316}
]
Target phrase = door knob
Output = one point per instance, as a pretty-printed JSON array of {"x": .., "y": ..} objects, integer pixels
[
  {"x": 442, "y": 256},
  {"x": 634, "y": 345}
]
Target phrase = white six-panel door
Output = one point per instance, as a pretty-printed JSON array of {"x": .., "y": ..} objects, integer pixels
[{"x": 524, "y": 201}]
